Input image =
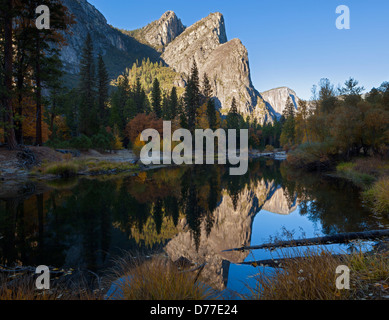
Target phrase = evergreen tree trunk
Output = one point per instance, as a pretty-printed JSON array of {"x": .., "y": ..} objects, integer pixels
[
  {"x": 20, "y": 85},
  {"x": 38, "y": 97},
  {"x": 8, "y": 60},
  {"x": 102, "y": 90}
]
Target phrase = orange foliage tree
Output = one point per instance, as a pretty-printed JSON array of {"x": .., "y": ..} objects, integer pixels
[{"x": 142, "y": 122}]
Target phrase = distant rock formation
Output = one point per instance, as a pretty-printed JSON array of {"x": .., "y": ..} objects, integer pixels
[{"x": 276, "y": 99}]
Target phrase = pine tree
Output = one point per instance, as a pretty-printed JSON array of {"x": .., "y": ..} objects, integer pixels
[
  {"x": 119, "y": 103},
  {"x": 46, "y": 43},
  {"x": 102, "y": 91},
  {"x": 233, "y": 116},
  {"x": 87, "y": 89},
  {"x": 165, "y": 107},
  {"x": 32, "y": 49},
  {"x": 288, "y": 129},
  {"x": 182, "y": 113},
  {"x": 130, "y": 111},
  {"x": 289, "y": 110},
  {"x": 211, "y": 114},
  {"x": 207, "y": 89},
  {"x": 139, "y": 97},
  {"x": 173, "y": 104},
  {"x": 192, "y": 97},
  {"x": 156, "y": 99},
  {"x": 7, "y": 15},
  {"x": 55, "y": 87}
]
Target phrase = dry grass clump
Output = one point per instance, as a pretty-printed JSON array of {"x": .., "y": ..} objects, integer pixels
[
  {"x": 158, "y": 278},
  {"x": 369, "y": 275},
  {"x": 372, "y": 166},
  {"x": 312, "y": 276},
  {"x": 22, "y": 287},
  {"x": 378, "y": 196},
  {"x": 62, "y": 169},
  {"x": 71, "y": 168}
]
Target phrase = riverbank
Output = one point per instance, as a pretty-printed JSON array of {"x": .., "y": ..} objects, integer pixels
[
  {"x": 44, "y": 163},
  {"x": 372, "y": 176}
]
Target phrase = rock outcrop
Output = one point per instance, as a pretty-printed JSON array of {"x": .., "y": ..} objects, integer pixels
[
  {"x": 160, "y": 33},
  {"x": 118, "y": 50},
  {"x": 225, "y": 62},
  {"x": 229, "y": 72},
  {"x": 276, "y": 99},
  {"x": 196, "y": 43}
]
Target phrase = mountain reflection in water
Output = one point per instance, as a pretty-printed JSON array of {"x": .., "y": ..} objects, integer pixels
[{"x": 194, "y": 212}]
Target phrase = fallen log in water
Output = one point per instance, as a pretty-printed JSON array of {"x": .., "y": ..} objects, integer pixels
[
  {"x": 279, "y": 263},
  {"x": 338, "y": 238}
]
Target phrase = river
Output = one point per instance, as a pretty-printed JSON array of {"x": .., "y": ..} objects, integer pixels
[{"x": 194, "y": 212}]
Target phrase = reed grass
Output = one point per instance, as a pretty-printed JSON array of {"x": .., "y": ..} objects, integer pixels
[
  {"x": 158, "y": 278},
  {"x": 314, "y": 277}
]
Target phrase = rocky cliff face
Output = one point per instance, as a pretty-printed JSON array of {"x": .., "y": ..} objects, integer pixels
[
  {"x": 196, "y": 43},
  {"x": 226, "y": 64},
  {"x": 119, "y": 50},
  {"x": 160, "y": 33},
  {"x": 276, "y": 99}
]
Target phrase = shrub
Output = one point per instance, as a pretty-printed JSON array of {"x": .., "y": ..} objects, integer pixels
[
  {"x": 269, "y": 148},
  {"x": 63, "y": 169},
  {"x": 345, "y": 166},
  {"x": 58, "y": 144},
  {"x": 312, "y": 155},
  {"x": 102, "y": 141},
  {"x": 81, "y": 143}
]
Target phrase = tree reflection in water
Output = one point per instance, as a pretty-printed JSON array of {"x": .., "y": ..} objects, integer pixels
[{"x": 194, "y": 211}]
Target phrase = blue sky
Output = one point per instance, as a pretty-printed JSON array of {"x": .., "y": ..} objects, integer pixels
[{"x": 290, "y": 43}]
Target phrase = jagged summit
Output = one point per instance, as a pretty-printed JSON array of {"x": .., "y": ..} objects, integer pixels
[
  {"x": 161, "y": 32},
  {"x": 197, "y": 41},
  {"x": 225, "y": 62}
]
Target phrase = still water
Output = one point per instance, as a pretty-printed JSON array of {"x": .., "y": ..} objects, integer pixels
[{"x": 193, "y": 212}]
